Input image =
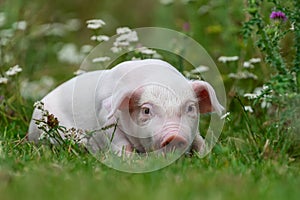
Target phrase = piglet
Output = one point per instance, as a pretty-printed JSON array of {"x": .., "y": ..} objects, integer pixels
[{"x": 137, "y": 106}]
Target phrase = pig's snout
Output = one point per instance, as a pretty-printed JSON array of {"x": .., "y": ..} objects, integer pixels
[{"x": 174, "y": 142}]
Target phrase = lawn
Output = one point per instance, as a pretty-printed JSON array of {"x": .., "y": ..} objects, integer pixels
[{"x": 257, "y": 52}]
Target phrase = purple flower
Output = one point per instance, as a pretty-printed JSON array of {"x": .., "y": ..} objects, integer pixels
[
  {"x": 186, "y": 26},
  {"x": 278, "y": 15}
]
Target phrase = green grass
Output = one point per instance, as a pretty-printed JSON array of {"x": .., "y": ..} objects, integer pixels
[
  {"x": 28, "y": 171},
  {"x": 256, "y": 157}
]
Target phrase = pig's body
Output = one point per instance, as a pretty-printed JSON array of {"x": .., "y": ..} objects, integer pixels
[{"x": 153, "y": 105}]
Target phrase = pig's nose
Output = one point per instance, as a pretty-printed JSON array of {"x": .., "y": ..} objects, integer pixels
[{"x": 174, "y": 142}]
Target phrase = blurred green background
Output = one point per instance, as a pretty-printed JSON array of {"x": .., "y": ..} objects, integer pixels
[
  {"x": 241, "y": 166},
  {"x": 214, "y": 24}
]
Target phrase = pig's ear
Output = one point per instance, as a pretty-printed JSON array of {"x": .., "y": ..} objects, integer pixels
[
  {"x": 123, "y": 100},
  {"x": 207, "y": 99}
]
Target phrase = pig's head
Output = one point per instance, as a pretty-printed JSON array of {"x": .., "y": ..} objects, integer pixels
[
  {"x": 159, "y": 118},
  {"x": 157, "y": 108}
]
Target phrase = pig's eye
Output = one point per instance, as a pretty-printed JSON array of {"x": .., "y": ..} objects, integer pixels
[
  {"x": 191, "y": 108},
  {"x": 146, "y": 111}
]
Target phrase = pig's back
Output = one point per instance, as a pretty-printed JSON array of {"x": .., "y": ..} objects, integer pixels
[{"x": 72, "y": 103}]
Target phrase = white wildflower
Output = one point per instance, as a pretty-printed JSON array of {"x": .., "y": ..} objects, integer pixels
[
  {"x": 123, "y": 30},
  {"x": 100, "y": 38},
  {"x": 115, "y": 49},
  {"x": 248, "y": 109},
  {"x": 101, "y": 59},
  {"x": 255, "y": 60},
  {"x": 2, "y": 18},
  {"x": 3, "y": 80},
  {"x": 13, "y": 70},
  {"x": 248, "y": 64},
  {"x": 265, "y": 104},
  {"x": 20, "y": 25},
  {"x": 242, "y": 75},
  {"x": 79, "y": 72},
  {"x": 128, "y": 37},
  {"x": 257, "y": 92},
  {"x": 200, "y": 69},
  {"x": 225, "y": 59},
  {"x": 70, "y": 54},
  {"x": 76, "y": 135},
  {"x": 39, "y": 105},
  {"x": 95, "y": 23},
  {"x": 86, "y": 48},
  {"x": 251, "y": 95},
  {"x": 125, "y": 37},
  {"x": 135, "y": 58},
  {"x": 121, "y": 43},
  {"x": 292, "y": 26},
  {"x": 145, "y": 50},
  {"x": 94, "y": 38},
  {"x": 225, "y": 115}
]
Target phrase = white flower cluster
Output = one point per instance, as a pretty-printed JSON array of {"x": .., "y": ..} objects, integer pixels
[
  {"x": 146, "y": 51},
  {"x": 258, "y": 93},
  {"x": 248, "y": 109},
  {"x": 101, "y": 59},
  {"x": 3, "y": 80},
  {"x": 242, "y": 75},
  {"x": 13, "y": 70},
  {"x": 195, "y": 73},
  {"x": 100, "y": 38},
  {"x": 200, "y": 69},
  {"x": 9, "y": 73},
  {"x": 249, "y": 64},
  {"x": 125, "y": 37},
  {"x": 95, "y": 23},
  {"x": 225, "y": 59},
  {"x": 76, "y": 136}
]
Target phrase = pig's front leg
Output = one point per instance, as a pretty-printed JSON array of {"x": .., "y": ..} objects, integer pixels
[
  {"x": 120, "y": 144},
  {"x": 198, "y": 144},
  {"x": 105, "y": 140}
]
